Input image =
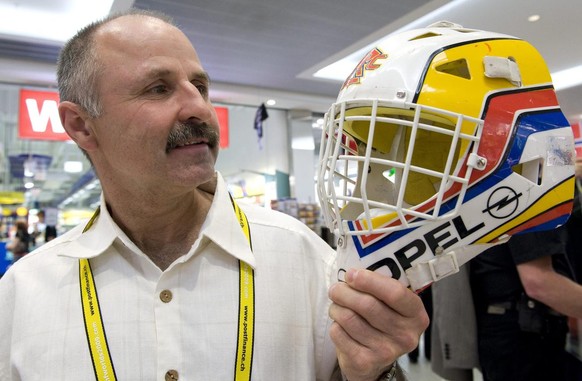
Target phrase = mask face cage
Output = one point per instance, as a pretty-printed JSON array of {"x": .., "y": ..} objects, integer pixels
[{"x": 417, "y": 159}]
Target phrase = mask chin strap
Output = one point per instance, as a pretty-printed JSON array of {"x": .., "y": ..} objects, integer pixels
[{"x": 423, "y": 274}]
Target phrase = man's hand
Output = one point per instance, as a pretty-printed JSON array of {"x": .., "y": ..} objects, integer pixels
[{"x": 376, "y": 320}]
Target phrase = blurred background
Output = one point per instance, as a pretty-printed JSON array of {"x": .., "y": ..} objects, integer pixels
[{"x": 291, "y": 56}]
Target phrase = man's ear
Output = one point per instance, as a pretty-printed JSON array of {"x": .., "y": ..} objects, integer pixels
[{"x": 78, "y": 125}]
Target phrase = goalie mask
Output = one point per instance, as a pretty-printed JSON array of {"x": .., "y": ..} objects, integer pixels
[{"x": 443, "y": 142}]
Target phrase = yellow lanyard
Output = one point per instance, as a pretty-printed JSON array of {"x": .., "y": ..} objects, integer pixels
[
  {"x": 246, "y": 309},
  {"x": 97, "y": 340}
]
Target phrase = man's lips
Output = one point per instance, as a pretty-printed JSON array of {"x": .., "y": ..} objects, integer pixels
[
  {"x": 192, "y": 134},
  {"x": 192, "y": 142}
]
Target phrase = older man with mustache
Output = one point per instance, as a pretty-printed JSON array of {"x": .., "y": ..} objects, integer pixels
[{"x": 171, "y": 279}]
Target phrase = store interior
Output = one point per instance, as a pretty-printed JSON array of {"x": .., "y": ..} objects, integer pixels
[{"x": 290, "y": 56}]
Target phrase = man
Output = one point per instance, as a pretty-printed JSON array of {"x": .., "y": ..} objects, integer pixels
[
  {"x": 523, "y": 291},
  {"x": 170, "y": 279}
]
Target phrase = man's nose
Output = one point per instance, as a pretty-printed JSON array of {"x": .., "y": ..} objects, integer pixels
[{"x": 193, "y": 104}]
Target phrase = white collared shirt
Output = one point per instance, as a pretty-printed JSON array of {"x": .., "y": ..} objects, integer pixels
[{"x": 193, "y": 331}]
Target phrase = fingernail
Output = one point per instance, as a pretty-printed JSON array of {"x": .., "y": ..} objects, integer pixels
[{"x": 351, "y": 275}]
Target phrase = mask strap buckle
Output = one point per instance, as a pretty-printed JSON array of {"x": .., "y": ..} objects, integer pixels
[{"x": 423, "y": 274}]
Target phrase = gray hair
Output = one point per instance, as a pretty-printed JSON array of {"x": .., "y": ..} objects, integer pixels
[{"x": 79, "y": 68}]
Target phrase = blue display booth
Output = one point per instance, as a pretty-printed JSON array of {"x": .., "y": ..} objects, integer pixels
[{"x": 5, "y": 258}]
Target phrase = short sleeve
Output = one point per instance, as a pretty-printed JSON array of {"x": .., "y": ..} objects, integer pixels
[{"x": 530, "y": 246}]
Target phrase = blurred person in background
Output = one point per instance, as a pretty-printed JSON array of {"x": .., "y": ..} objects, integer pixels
[
  {"x": 523, "y": 291},
  {"x": 38, "y": 231},
  {"x": 20, "y": 241},
  {"x": 574, "y": 253}
]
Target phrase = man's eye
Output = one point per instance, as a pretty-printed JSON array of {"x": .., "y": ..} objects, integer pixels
[
  {"x": 158, "y": 89},
  {"x": 203, "y": 90}
]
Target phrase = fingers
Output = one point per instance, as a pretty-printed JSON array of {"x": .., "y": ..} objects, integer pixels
[
  {"x": 372, "y": 323},
  {"x": 380, "y": 300},
  {"x": 358, "y": 335},
  {"x": 376, "y": 320}
]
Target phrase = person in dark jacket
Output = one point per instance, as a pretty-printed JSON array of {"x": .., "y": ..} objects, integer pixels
[
  {"x": 20, "y": 243},
  {"x": 523, "y": 291}
]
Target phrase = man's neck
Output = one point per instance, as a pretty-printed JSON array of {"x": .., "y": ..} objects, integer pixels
[{"x": 165, "y": 230}]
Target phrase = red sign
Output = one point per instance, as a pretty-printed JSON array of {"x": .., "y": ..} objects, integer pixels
[
  {"x": 222, "y": 114},
  {"x": 38, "y": 117},
  {"x": 577, "y": 128}
]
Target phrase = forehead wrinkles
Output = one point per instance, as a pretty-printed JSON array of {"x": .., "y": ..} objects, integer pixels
[
  {"x": 148, "y": 47},
  {"x": 123, "y": 40},
  {"x": 141, "y": 37}
]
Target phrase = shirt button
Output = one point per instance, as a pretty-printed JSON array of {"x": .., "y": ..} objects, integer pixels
[
  {"x": 166, "y": 296},
  {"x": 172, "y": 375}
]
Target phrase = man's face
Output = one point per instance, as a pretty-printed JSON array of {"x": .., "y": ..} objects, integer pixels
[{"x": 158, "y": 129}]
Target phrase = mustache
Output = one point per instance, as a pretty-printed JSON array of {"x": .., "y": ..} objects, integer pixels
[{"x": 184, "y": 132}]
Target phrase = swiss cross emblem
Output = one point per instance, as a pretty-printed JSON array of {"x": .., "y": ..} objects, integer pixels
[{"x": 368, "y": 63}]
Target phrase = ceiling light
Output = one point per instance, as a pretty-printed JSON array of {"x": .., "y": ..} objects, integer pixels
[
  {"x": 533, "y": 18},
  {"x": 567, "y": 78},
  {"x": 73, "y": 166},
  {"x": 52, "y": 23},
  {"x": 271, "y": 102},
  {"x": 340, "y": 69},
  {"x": 29, "y": 185},
  {"x": 318, "y": 123}
]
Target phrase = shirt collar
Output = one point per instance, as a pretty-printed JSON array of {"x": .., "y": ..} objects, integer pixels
[
  {"x": 98, "y": 237},
  {"x": 221, "y": 226}
]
